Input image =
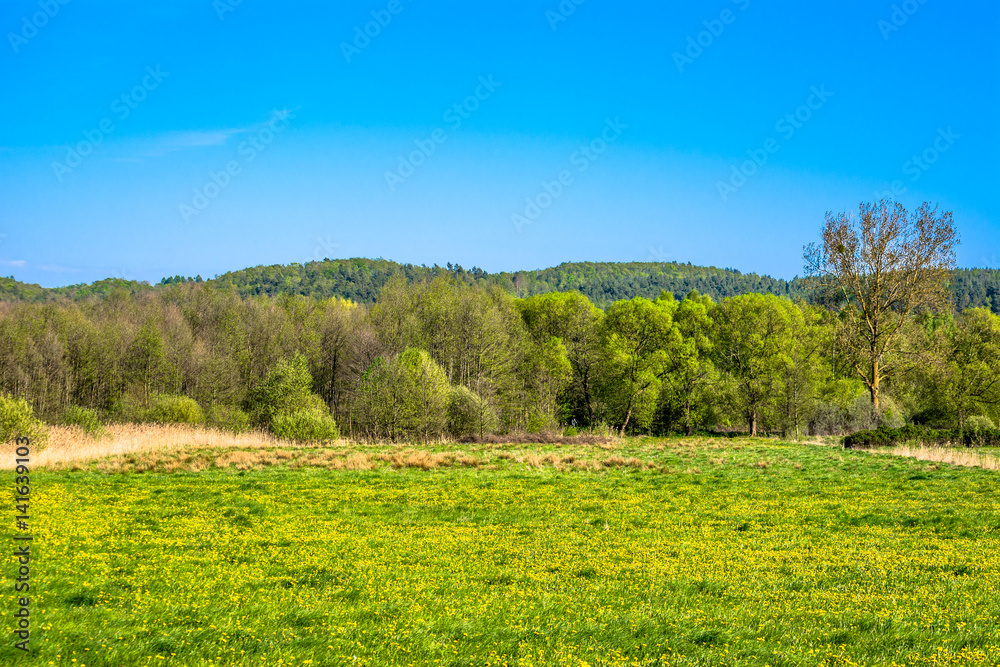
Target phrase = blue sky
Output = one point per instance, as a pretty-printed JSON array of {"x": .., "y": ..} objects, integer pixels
[{"x": 147, "y": 139}]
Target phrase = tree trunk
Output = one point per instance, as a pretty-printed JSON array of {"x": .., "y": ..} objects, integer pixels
[
  {"x": 753, "y": 424},
  {"x": 687, "y": 424},
  {"x": 628, "y": 415},
  {"x": 874, "y": 385}
]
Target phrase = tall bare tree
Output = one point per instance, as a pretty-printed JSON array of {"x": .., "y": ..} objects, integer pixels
[{"x": 886, "y": 264}]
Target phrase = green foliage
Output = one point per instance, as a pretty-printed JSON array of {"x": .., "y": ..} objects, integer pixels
[
  {"x": 979, "y": 423},
  {"x": 756, "y": 336},
  {"x": 686, "y": 399},
  {"x": 362, "y": 280},
  {"x": 307, "y": 425},
  {"x": 87, "y": 419},
  {"x": 171, "y": 409},
  {"x": 404, "y": 397},
  {"x": 228, "y": 418},
  {"x": 647, "y": 366},
  {"x": 573, "y": 320},
  {"x": 17, "y": 420},
  {"x": 286, "y": 389},
  {"x": 469, "y": 414},
  {"x": 922, "y": 435},
  {"x": 637, "y": 339}
]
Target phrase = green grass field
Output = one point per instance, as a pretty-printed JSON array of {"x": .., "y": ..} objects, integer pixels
[{"x": 658, "y": 552}]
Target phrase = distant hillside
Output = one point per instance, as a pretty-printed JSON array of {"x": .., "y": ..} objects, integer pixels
[{"x": 602, "y": 282}]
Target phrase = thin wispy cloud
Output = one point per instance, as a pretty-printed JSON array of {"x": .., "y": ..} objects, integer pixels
[
  {"x": 18, "y": 263},
  {"x": 178, "y": 141},
  {"x": 182, "y": 140}
]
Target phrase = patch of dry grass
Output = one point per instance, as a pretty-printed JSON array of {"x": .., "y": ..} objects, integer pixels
[
  {"x": 970, "y": 458},
  {"x": 165, "y": 448},
  {"x": 70, "y": 444}
]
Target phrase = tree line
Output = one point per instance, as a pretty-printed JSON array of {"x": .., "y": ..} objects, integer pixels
[
  {"x": 604, "y": 283},
  {"x": 878, "y": 344},
  {"x": 444, "y": 357}
]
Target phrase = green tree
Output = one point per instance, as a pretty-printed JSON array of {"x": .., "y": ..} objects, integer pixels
[
  {"x": 885, "y": 264},
  {"x": 404, "y": 396},
  {"x": 145, "y": 361},
  {"x": 972, "y": 371},
  {"x": 573, "y": 319},
  {"x": 637, "y": 337},
  {"x": 689, "y": 371},
  {"x": 469, "y": 414},
  {"x": 286, "y": 389},
  {"x": 754, "y": 348}
]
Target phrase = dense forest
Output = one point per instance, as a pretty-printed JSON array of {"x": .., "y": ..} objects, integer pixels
[
  {"x": 603, "y": 283},
  {"x": 449, "y": 351}
]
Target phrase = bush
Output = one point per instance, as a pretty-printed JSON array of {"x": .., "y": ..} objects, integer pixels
[
  {"x": 86, "y": 419},
  {"x": 287, "y": 389},
  {"x": 308, "y": 425},
  {"x": 228, "y": 418},
  {"x": 469, "y": 414},
  {"x": 403, "y": 397},
  {"x": 981, "y": 432},
  {"x": 17, "y": 420},
  {"x": 168, "y": 408},
  {"x": 571, "y": 431},
  {"x": 922, "y": 435},
  {"x": 979, "y": 423},
  {"x": 124, "y": 409},
  {"x": 541, "y": 422}
]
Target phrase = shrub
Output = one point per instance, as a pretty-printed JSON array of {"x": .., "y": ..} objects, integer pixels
[
  {"x": 168, "y": 408},
  {"x": 469, "y": 414},
  {"x": 307, "y": 425},
  {"x": 979, "y": 423},
  {"x": 124, "y": 409},
  {"x": 540, "y": 421},
  {"x": 922, "y": 435},
  {"x": 828, "y": 419},
  {"x": 401, "y": 397},
  {"x": 86, "y": 419},
  {"x": 571, "y": 431},
  {"x": 228, "y": 418},
  {"x": 17, "y": 420},
  {"x": 287, "y": 389},
  {"x": 981, "y": 432}
]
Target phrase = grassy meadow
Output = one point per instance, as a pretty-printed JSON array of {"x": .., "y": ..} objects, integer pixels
[{"x": 682, "y": 551}]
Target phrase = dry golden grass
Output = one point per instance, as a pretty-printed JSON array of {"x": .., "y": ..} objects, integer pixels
[
  {"x": 969, "y": 458},
  {"x": 176, "y": 448},
  {"x": 69, "y": 444}
]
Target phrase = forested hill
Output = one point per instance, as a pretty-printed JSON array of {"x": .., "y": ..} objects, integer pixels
[{"x": 602, "y": 282}]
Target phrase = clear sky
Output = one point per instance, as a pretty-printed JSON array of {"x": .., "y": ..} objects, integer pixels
[{"x": 147, "y": 139}]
